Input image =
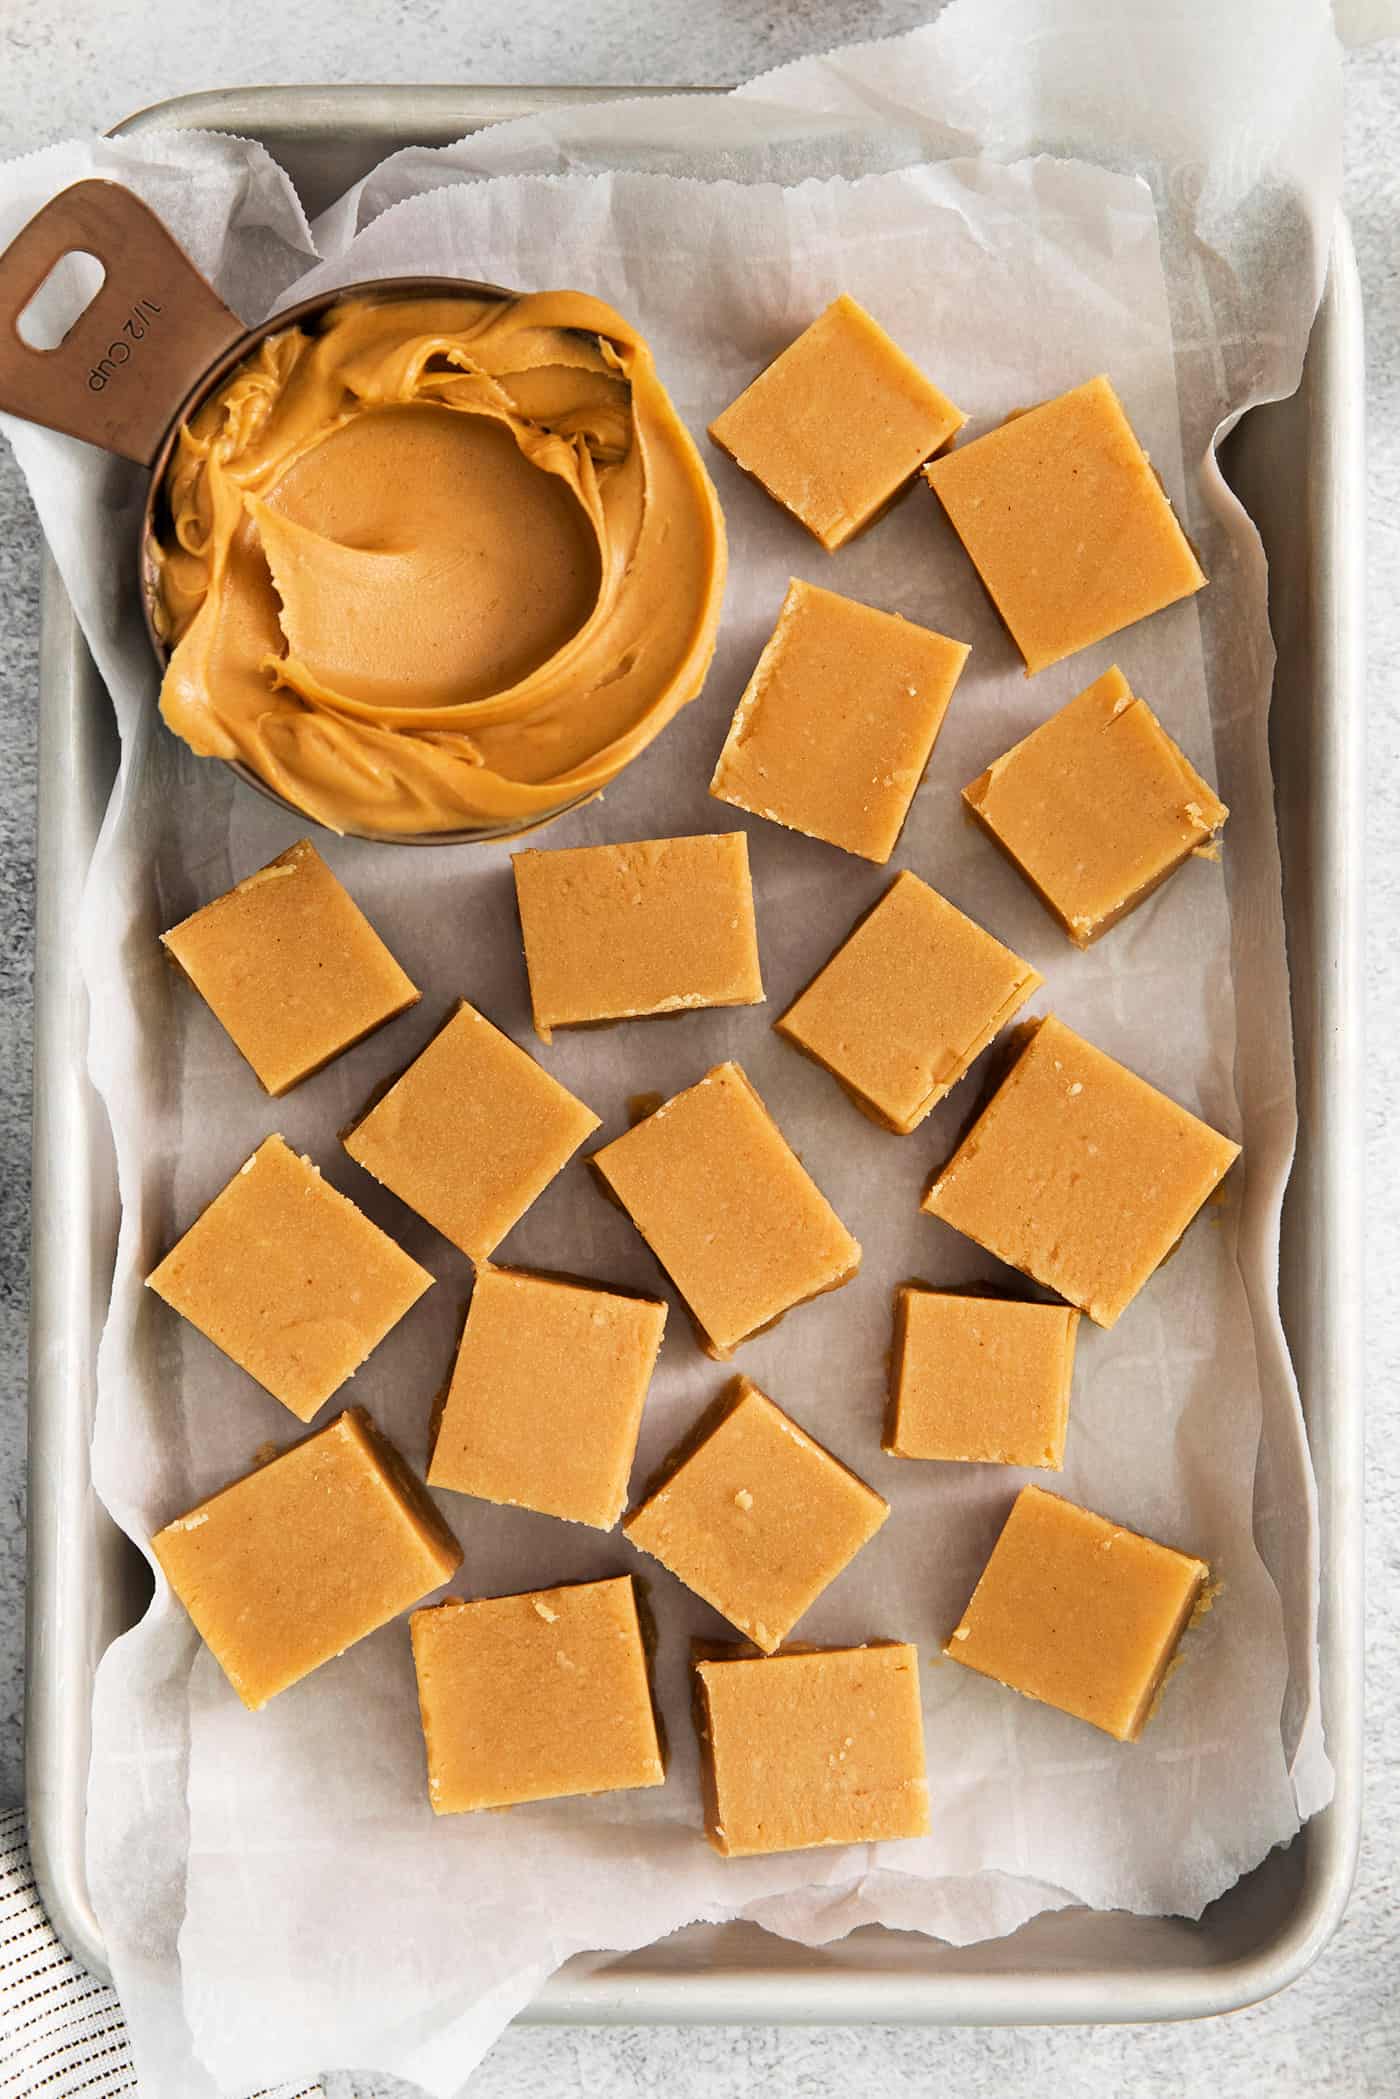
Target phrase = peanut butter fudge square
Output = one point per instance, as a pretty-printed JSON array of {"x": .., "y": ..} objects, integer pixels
[
  {"x": 728, "y": 1209},
  {"x": 624, "y": 932},
  {"x": 546, "y": 1397},
  {"x": 836, "y": 726},
  {"x": 908, "y": 1001},
  {"x": 287, "y": 1277},
  {"x": 838, "y": 424},
  {"x": 979, "y": 1380},
  {"x": 1066, "y": 523},
  {"x": 758, "y": 1518},
  {"x": 291, "y": 967},
  {"x": 822, "y": 1746},
  {"x": 1079, "y": 1613},
  {"x": 471, "y": 1133},
  {"x": 1096, "y": 808},
  {"x": 1079, "y": 1173},
  {"x": 535, "y": 1697},
  {"x": 286, "y": 1568}
]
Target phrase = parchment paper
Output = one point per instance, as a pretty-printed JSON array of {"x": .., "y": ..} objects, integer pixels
[{"x": 275, "y": 1891}]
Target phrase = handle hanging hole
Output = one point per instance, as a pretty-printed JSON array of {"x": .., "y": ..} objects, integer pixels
[{"x": 61, "y": 300}]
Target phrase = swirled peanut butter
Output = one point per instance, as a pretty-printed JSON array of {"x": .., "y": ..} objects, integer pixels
[{"x": 442, "y": 564}]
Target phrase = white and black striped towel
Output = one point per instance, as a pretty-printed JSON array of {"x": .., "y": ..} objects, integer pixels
[{"x": 61, "y": 2031}]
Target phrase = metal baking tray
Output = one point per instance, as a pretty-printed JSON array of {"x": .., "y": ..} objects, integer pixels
[{"x": 1298, "y": 467}]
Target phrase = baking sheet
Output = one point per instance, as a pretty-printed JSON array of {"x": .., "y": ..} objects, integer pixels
[
  {"x": 1298, "y": 465},
  {"x": 1163, "y": 1828},
  {"x": 781, "y": 1392}
]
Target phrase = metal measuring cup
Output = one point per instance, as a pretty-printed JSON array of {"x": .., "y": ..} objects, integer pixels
[{"x": 154, "y": 342}]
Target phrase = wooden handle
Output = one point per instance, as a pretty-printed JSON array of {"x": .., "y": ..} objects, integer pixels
[{"x": 133, "y": 354}]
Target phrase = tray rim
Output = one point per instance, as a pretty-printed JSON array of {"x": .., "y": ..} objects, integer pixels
[{"x": 66, "y": 1172}]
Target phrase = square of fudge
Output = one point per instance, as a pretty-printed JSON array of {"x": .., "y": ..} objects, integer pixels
[
  {"x": 979, "y": 1380},
  {"x": 817, "y": 1746},
  {"x": 546, "y": 1397},
  {"x": 728, "y": 1209},
  {"x": 1066, "y": 523},
  {"x": 621, "y": 932},
  {"x": 289, "y": 1566},
  {"x": 290, "y": 966},
  {"x": 838, "y": 424},
  {"x": 756, "y": 1517},
  {"x": 1079, "y": 1173},
  {"x": 1079, "y": 1613},
  {"x": 535, "y": 1697},
  {"x": 471, "y": 1133},
  {"x": 287, "y": 1277},
  {"x": 1096, "y": 808},
  {"x": 837, "y": 723},
  {"x": 906, "y": 1003}
]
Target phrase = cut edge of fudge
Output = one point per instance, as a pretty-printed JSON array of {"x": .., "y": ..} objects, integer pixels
[
  {"x": 271, "y": 872},
  {"x": 407, "y": 1502},
  {"x": 349, "y": 1131},
  {"x": 1100, "y": 384},
  {"x": 710, "y": 1654},
  {"x": 712, "y": 1419},
  {"x": 672, "y": 1004},
  {"x": 1205, "y": 809},
  {"x": 158, "y": 1281},
  {"x": 720, "y": 1352},
  {"x": 1198, "y": 1599},
  {"x": 799, "y": 593},
  {"x": 1029, "y": 983},
  {"x": 1018, "y": 1042},
  {"x": 550, "y": 1279},
  {"x": 975, "y": 1293},
  {"x": 950, "y": 419},
  {"x": 539, "y": 1600}
]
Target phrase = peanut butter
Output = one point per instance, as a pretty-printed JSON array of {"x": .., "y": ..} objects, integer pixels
[{"x": 446, "y": 563}]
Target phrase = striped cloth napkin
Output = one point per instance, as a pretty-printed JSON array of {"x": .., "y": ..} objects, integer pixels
[{"x": 61, "y": 2031}]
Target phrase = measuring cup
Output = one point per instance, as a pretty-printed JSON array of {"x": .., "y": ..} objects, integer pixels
[{"x": 152, "y": 344}]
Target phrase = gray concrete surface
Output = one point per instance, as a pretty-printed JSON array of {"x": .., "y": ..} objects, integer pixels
[{"x": 76, "y": 68}]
